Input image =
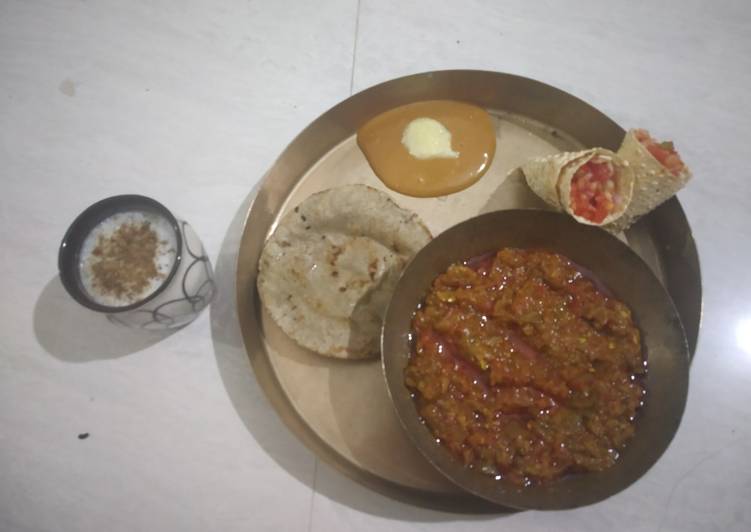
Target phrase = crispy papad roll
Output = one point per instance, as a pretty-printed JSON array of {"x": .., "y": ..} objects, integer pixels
[
  {"x": 543, "y": 173},
  {"x": 594, "y": 186},
  {"x": 658, "y": 170}
]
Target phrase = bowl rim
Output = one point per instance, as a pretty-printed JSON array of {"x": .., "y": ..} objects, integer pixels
[
  {"x": 70, "y": 247},
  {"x": 513, "y": 496}
]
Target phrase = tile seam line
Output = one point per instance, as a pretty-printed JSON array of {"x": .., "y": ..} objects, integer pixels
[
  {"x": 351, "y": 86},
  {"x": 313, "y": 494},
  {"x": 354, "y": 48}
]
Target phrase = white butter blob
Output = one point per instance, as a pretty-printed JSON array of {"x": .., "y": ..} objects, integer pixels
[{"x": 426, "y": 138}]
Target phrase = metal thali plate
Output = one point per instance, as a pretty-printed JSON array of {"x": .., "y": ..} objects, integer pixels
[{"x": 341, "y": 409}]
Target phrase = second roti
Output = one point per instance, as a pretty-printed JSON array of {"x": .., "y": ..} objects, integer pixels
[{"x": 327, "y": 273}]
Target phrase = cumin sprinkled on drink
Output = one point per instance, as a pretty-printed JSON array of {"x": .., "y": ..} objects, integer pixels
[
  {"x": 124, "y": 264},
  {"x": 127, "y": 257}
]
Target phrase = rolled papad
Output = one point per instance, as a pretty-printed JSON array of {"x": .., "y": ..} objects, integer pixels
[
  {"x": 551, "y": 178},
  {"x": 654, "y": 184},
  {"x": 543, "y": 174}
]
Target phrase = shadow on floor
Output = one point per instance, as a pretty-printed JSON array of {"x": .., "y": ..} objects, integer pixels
[{"x": 73, "y": 333}]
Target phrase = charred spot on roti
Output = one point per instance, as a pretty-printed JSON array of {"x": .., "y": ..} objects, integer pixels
[
  {"x": 372, "y": 269},
  {"x": 335, "y": 252}
]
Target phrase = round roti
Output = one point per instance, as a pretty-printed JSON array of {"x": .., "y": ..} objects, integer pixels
[{"x": 327, "y": 273}]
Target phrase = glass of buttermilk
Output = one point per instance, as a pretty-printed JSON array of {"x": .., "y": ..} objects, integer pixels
[{"x": 130, "y": 258}]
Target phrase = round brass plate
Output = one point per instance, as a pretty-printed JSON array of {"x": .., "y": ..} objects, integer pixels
[{"x": 342, "y": 410}]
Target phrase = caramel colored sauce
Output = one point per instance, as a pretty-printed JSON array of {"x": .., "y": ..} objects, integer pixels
[{"x": 472, "y": 135}]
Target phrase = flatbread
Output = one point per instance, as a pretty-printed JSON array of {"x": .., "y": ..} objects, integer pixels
[
  {"x": 327, "y": 273},
  {"x": 550, "y": 178},
  {"x": 654, "y": 184}
]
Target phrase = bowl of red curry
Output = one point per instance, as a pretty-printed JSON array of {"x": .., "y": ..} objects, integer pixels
[{"x": 536, "y": 362}]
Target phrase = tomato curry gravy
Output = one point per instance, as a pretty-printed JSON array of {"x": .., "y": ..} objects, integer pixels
[
  {"x": 455, "y": 144},
  {"x": 525, "y": 367}
]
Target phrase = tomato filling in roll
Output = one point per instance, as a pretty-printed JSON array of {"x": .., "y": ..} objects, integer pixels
[
  {"x": 664, "y": 152},
  {"x": 594, "y": 192}
]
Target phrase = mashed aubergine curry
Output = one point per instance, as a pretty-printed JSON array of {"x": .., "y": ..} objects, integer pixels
[{"x": 525, "y": 367}]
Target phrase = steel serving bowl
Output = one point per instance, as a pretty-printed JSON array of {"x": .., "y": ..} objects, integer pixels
[{"x": 630, "y": 280}]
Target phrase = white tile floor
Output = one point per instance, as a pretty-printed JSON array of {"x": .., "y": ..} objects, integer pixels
[{"x": 190, "y": 102}]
